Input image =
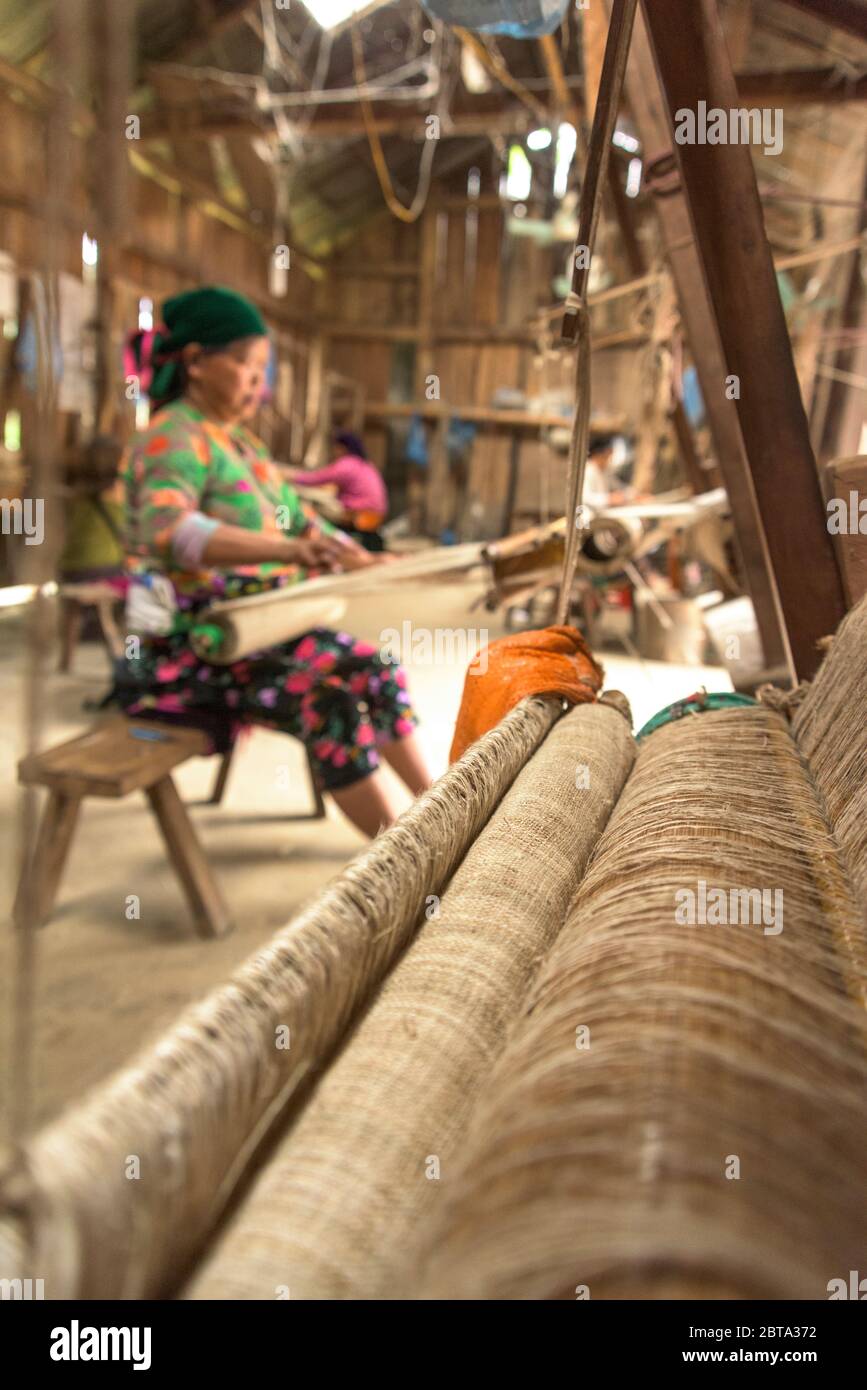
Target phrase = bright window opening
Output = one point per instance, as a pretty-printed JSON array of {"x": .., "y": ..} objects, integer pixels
[
  {"x": 329, "y": 13},
  {"x": 145, "y": 315},
  {"x": 520, "y": 174},
  {"x": 89, "y": 258},
  {"x": 567, "y": 140},
  {"x": 539, "y": 139},
  {"x": 12, "y": 431},
  {"x": 624, "y": 141}
]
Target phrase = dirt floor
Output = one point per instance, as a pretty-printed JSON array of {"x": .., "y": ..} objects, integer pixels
[{"x": 106, "y": 984}]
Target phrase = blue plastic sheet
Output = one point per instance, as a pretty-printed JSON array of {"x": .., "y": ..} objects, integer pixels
[{"x": 519, "y": 19}]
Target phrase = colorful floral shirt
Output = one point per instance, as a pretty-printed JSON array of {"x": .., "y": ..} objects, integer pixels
[{"x": 182, "y": 464}]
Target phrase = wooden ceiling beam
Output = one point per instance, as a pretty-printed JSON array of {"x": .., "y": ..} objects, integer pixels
[
  {"x": 802, "y": 86},
  {"x": 219, "y": 24},
  {"x": 823, "y": 86},
  {"x": 196, "y": 125},
  {"x": 849, "y": 15}
]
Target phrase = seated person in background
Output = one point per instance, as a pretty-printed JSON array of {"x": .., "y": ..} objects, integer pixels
[
  {"x": 209, "y": 516},
  {"x": 602, "y": 488},
  {"x": 93, "y": 543},
  {"x": 361, "y": 491}
]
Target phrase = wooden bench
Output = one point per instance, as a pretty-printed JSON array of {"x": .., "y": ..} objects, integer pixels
[
  {"x": 76, "y": 598},
  {"x": 117, "y": 757}
]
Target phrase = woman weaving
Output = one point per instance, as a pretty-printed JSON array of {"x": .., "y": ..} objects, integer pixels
[{"x": 208, "y": 516}]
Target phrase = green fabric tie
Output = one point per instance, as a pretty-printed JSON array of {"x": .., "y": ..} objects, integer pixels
[{"x": 695, "y": 704}]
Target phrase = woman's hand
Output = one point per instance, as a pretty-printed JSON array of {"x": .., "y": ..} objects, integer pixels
[
  {"x": 317, "y": 553},
  {"x": 355, "y": 557}
]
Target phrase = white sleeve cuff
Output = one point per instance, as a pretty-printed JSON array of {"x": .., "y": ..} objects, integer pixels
[{"x": 190, "y": 538}]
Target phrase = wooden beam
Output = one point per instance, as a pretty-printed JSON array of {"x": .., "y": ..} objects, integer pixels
[
  {"x": 720, "y": 185},
  {"x": 110, "y": 176},
  {"x": 848, "y": 15},
  {"x": 486, "y": 415},
  {"x": 554, "y": 68},
  {"x": 41, "y": 93},
  {"x": 478, "y": 115},
  {"x": 739, "y": 30},
  {"x": 196, "y": 124},
  {"x": 498, "y": 68},
  {"x": 182, "y": 266},
  {"x": 411, "y": 271},
  {"x": 652, "y": 123},
  {"x": 803, "y": 86},
  {"x": 218, "y": 25},
  {"x": 594, "y": 37}
]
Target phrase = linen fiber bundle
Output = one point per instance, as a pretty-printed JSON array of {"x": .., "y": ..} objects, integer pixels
[
  {"x": 681, "y": 1110},
  {"x": 342, "y": 1204},
  {"x": 193, "y": 1106}
]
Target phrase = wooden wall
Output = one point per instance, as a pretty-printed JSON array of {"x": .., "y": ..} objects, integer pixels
[
  {"x": 464, "y": 301},
  {"x": 436, "y": 317},
  {"x": 171, "y": 244}
]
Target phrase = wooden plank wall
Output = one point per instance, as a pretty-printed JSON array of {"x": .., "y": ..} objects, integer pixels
[
  {"x": 172, "y": 244},
  {"x": 470, "y": 327}
]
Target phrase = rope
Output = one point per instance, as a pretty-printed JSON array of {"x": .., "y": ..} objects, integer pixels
[
  {"x": 497, "y": 67},
  {"x": 576, "y": 315},
  {"x": 785, "y": 702},
  {"x": 393, "y": 203}
]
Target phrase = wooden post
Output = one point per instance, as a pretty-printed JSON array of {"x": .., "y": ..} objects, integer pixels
[
  {"x": 720, "y": 185},
  {"x": 110, "y": 176},
  {"x": 661, "y": 173},
  {"x": 437, "y": 477}
]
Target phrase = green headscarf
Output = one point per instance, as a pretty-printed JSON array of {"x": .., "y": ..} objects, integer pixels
[{"x": 211, "y": 316}]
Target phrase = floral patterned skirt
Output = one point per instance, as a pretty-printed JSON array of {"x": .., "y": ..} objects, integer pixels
[{"x": 330, "y": 691}]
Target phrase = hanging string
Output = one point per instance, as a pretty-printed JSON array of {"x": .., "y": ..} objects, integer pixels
[{"x": 395, "y": 206}]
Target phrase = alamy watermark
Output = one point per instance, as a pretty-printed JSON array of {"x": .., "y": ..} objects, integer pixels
[
  {"x": 854, "y": 1288},
  {"x": 77, "y": 1343},
  {"x": 740, "y": 125},
  {"x": 23, "y": 1290},
  {"x": 847, "y": 517},
  {"x": 23, "y": 517},
  {"x": 714, "y": 907},
  {"x": 439, "y": 646}
]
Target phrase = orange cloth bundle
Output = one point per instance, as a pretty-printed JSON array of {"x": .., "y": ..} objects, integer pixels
[{"x": 551, "y": 661}]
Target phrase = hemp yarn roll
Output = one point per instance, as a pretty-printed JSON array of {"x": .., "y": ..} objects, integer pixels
[
  {"x": 830, "y": 728},
  {"x": 707, "y": 1135},
  {"x": 341, "y": 1205},
  {"x": 121, "y": 1190}
]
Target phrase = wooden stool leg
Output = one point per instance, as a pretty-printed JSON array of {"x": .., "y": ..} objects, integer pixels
[
  {"x": 318, "y": 800},
  {"x": 40, "y": 878},
  {"x": 210, "y": 914},
  {"x": 222, "y": 778},
  {"x": 71, "y": 618},
  {"x": 110, "y": 631}
]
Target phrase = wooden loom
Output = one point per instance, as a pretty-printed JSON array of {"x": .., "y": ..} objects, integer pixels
[
  {"x": 652, "y": 1053},
  {"x": 429, "y": 1052}
]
